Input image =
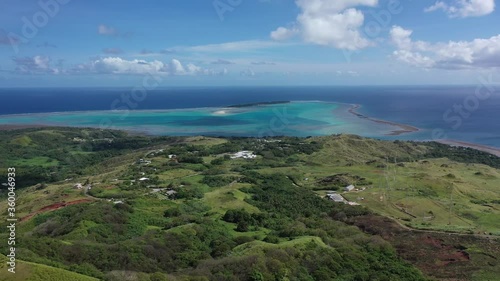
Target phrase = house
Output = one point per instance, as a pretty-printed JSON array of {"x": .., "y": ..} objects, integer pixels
[
  {"x": 244, "y": 154},
  {"x": 336, "y": 197},
  {"x": 349, "y": 188},
  {"x": 78, "y": 186},
  {"x": 171, "y": 156}
]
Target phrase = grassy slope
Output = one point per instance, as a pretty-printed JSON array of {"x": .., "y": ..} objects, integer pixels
[
  {"x": 28, "y": 271},
  {"x": 417, "y": 194}
]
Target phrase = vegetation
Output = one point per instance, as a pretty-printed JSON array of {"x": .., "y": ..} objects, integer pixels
[{"x": 158, "y": 208}]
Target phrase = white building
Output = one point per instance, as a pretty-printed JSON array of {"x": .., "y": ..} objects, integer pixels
[
  {"x": 349, "y": 188},
  {"x": 336, "y": 197},
  {"x": 244, "y": 154}
]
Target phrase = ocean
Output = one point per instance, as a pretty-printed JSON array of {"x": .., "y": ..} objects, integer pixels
[{"x": 458, "y": 113}]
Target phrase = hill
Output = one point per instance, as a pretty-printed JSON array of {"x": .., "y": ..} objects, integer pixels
[{"x": 114, "y": 206}]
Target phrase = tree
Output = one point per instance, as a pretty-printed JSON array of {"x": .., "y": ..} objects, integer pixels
[{"x": 242, "y": 226}]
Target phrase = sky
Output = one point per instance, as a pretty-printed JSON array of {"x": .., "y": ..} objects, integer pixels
[{"x": 114, "y": 43}]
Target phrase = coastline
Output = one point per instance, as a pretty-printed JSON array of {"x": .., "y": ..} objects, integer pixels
[
  {"x": 405, "y": 129},
  {"x": 480, "y": 147},
  {"x": 18, "y": 127},
  {"x": 484, "y": 148}
]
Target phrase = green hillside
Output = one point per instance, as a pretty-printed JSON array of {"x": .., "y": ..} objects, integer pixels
[
  {"x": 174, "y": 208},
  {"x": 38, "y": 272}
]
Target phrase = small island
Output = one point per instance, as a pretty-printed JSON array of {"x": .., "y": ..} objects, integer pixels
[{"x": 258, "y": 104}]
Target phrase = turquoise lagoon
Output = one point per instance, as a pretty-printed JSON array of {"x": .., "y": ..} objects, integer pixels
[{"x": 291, "y": 119}]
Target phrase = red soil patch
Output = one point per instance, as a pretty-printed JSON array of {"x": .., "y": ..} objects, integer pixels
[
  {"x": 433, "y": 242},
  {"x": 439, "y": 255},
  {"x": 55, "y": 206}
]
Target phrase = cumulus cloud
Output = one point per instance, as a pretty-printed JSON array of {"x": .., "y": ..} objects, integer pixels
[
  {"x": 283, "y": 33},
  {"x": 334, "y": 23},
  {"x": 34, "y": 65},
  {"x": 464, "y": 8},
  {"x": 478, "y": 53},
  {"x": 117, "y": 65}
]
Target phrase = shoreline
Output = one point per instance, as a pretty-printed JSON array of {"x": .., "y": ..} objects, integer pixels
[
  {"x": 484, "y": 148},
  {"x": 405, "y": 129},
  {"x": 480, "y": 147},
  {"x": 5, "y": 127}
]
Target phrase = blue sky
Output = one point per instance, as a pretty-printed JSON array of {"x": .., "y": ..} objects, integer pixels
[{"x": 78, "y": 43}]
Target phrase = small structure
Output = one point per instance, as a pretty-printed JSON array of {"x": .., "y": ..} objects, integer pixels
[
  {"x": 78, "y": 186},
  {"x": 143, "y": 179},
  {"x": 244, "y": 154},
  {"x": 349, "y": 188},
  {"x": 171, "y": 192},
  {"x": 143, "y": 161},
  {"x": 172, "y": 156},
  {"x": 336, "y": 197}
]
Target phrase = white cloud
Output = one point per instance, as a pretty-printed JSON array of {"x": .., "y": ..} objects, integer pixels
[
  {"x": 478, "y": 53},
  {"x": 401, "y": 37},
  {"x": 34, "y": 65},
  {"x": 247, "y": 72},
  {"x": 222, "y": 61},
  {"x": 120, "y": 66},
  {"x": 106, "y": 30},
  {"x": 117, "y": 65},
  {"x": 334, "y": 23},
  {"x": 176, "y": 67},
  {"x": 111, "y": 31},
  {"x": 236, "y": 46},
  {"x": 414, "y": 58},
  {"x": 464, "y": 8},
  {"x": 283, "y": 33}
]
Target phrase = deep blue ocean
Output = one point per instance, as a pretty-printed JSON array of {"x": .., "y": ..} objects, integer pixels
[{"x": 457, "y": 112}]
